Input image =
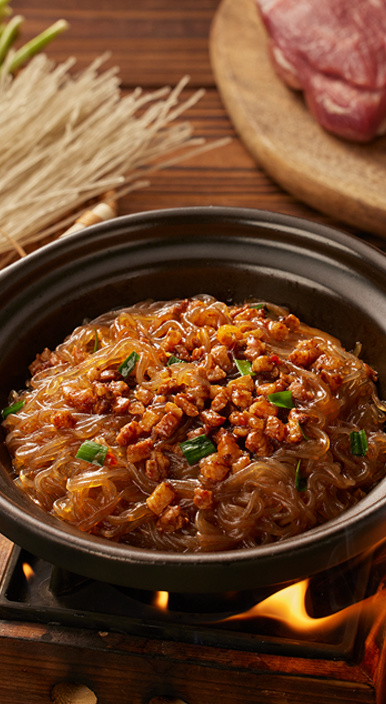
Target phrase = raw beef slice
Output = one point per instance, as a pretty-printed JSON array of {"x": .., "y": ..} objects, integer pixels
[{"x": 335, "y": 51}]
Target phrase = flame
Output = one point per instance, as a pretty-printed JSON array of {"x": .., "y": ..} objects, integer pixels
[
  {"x": 288, "y": 606},
  {"x": 28, "y": 571},
  {"x": 161, "y": 600}
]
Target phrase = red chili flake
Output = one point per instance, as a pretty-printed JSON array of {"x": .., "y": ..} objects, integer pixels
[{"x": 275, "y": 359}]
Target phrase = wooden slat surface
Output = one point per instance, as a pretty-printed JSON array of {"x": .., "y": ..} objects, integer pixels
[{"x": 122, "y": 669}]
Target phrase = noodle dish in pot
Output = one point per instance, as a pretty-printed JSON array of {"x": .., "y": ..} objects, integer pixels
[{"x": 194, "y": 402}]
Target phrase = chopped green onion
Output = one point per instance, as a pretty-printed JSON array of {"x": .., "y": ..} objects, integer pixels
[
  {"x": 282, "y": 399},
  {"x": 244, "y": 366},
  {"x": 197, "y": 448},
  {"x": 96, "y": 341},
  {"x": 13, "y": 408},
  {"x": 300, "y": 482},
  {"x": 174, "y": 360},
  {"x": 358, "y": 443},
  {"x": 92, "y": 452},
  {"x": 257, "y": 306},
  {"x": 303, "y": 433},
  {"x": 128, "y": 365}
]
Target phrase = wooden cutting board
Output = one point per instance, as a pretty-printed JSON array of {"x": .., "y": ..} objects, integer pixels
[{"x": 342, "y": 179}]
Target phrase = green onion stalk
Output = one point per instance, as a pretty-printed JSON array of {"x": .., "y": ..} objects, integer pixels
[
  {"x": 10, "y": 30},
  {"x": 5, "y": 10}
]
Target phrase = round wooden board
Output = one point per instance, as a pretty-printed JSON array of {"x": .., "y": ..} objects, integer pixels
[{"x": 341, "y": 179}]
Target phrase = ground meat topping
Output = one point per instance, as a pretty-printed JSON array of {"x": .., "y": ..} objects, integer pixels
[
  {"x": 171, "y": 520},
  {"x": 63, "y": 419},
  {"x": 161, "y": 497}
]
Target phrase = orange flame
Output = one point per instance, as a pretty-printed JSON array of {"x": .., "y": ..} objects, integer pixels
[
  {"x": 28, "y": 571},
  {"x": 288, "y": 606},
  {"x": 161, "y": 600}
]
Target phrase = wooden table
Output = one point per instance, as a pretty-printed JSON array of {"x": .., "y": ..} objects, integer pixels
[{"x": 155, "y": 43}]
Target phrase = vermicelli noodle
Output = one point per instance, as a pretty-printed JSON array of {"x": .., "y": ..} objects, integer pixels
[
  {"x": 69, "y": 137},
  {"x": 191, "y": 425}
]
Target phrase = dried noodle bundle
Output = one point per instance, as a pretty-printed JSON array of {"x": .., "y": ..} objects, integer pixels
[{"x": 67, "y": 138}]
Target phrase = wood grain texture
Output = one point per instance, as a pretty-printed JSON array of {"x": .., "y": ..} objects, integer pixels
[
  {"x": 6, "y": 547},
  {"x": 153, "y": 42},
  {"x": 342, "y": 179},
  {"x": 124, "y": 669}
]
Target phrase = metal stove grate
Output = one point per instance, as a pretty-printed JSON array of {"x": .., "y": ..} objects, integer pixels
[{"x": 53, "y": 596}]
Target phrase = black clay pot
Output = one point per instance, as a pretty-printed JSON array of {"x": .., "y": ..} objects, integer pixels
[{"x": 330, "y": 280}]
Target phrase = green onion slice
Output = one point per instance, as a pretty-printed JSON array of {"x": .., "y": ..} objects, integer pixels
[
  {"x": 244, "y": 366},
  {"x": 13, "y": 408},
  {"x": 128, "y": 365},
  {"x": 92, "y": 452},
  {"x": 96, "y": 341},
  {"x": 305, "y": 436},
  {"x": 300, "y": 482},
  {"x": 358, "y": 443},
  {"x": 174, "y": 360},
  {"x": 197, "y": 448},
  {"x": 282, "y": 399},
  {"x": 257, "y": 306}
]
